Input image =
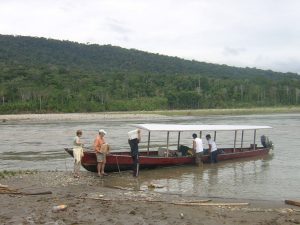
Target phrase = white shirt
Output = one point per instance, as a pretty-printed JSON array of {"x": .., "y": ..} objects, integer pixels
[
  {"x": 198, "y": 145},
  {"x": 213, "y": 145},
  {"x": 75, "y": 142}
]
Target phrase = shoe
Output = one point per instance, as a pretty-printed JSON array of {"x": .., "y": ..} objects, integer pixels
[{"x": 104, "y": 174}]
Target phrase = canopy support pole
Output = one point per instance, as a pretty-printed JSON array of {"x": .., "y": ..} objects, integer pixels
[
  {"x": 148, "y": 143},
  {"x": 235, "y": 132},
  {"x": 201, "y": 134},
  {"x": 242, "y": 139},
  {"x": 178, "y": 143},
  {"x": 215, "y": 136},
  {"x": 254, "y": 139},
  {"x": 168, "y": 134}
]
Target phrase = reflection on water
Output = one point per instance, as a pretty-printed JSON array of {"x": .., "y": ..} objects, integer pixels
[
  {"x": 225, "y": 179},
  {"x": 40, "y": 146}
]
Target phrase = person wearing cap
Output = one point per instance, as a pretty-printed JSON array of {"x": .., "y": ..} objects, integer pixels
[
  {"x": 77, "y": 152},
  {"x": 198, "y": 149},
  {"x": 101, "y": 157}
]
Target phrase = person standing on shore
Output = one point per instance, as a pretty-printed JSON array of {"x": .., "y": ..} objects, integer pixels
[
  {"x": 212, "y": 149},
  {"x": 198, "y": 149},
  {"x": 77, "y": 152},
  {"x": 134, "y": 151},
  {"x": 101, "y": 157}
]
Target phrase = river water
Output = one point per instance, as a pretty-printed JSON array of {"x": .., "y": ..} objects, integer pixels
[{"x": 29, "y": 145}]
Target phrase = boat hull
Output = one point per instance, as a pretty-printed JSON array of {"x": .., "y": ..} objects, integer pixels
[
  {"x": 230, "y": 154},
  {"x": 120, "y": 161}
]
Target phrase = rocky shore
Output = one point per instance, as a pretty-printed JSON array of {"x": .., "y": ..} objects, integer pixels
[{"x": 94, "y": 200}]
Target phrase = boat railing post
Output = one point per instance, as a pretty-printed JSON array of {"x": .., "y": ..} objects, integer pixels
[
  {"x": 254, "y": 139},
  {"x": 215, "y": 135},
  {"x": 168, "y": 134},
  {"x": 201, "y": 134},
  {"x": 242, "y": 139},
  {"x": 148, "y": 147},
  {"x": 178, "y": 143},
  {"x": 235, "y": 132}
]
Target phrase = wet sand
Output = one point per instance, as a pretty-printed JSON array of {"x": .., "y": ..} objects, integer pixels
[{"x": 91, "y": 200}]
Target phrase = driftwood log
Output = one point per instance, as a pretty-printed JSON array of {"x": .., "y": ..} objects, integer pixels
[
  {"x": 211, "y": 204},
  {"x": 205, "y": 202},
  {"x": 191, "y": 202},
  {"x": 6, "y": 190},
  {"x": 292, "y": 202}
]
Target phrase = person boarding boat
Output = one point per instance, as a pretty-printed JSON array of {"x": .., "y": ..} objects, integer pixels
[
  {"x": 133, "y": 141},
  {"x": 212, "y": 149},
  {"x": 198, "y": 149}
]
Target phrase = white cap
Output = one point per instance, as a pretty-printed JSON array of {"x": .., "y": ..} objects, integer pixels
[{"x": 102, "y": 131}]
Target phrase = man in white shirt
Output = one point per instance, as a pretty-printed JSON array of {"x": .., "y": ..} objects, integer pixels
[
  {"x": 212, "y": 149},
  {"x": 198, "y": 149}
]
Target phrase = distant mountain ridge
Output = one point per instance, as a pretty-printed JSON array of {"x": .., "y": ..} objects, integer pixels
[
  {"x": 104, "y": 58},
  {"x": 46, "y": 75}
]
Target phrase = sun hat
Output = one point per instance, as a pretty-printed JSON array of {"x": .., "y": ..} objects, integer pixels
[{"x": 102, "y": 131}]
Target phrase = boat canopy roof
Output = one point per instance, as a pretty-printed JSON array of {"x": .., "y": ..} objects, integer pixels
[{"x": 182, "y": 127}]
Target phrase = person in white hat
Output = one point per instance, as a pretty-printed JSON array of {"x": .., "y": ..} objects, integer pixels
[{"x": 101, "y": 157}]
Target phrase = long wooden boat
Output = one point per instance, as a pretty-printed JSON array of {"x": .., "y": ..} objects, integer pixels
[{"x": 121, "y": 160}]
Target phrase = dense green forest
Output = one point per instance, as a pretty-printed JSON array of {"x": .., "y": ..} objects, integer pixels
[{"x": 46, "y": 75}]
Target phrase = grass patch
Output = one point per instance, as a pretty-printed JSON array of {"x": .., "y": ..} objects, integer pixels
[
  {"x": 208, "y": 112},
  {"x": 240, "y": 111}
]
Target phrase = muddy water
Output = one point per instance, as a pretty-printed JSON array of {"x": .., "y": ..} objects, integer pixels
[{"x": 40, "y": 146}]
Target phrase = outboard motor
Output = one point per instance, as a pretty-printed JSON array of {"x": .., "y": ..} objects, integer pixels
[{"x": 266, "y": 142}]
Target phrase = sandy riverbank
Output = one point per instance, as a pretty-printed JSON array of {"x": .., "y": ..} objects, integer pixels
[
  {"x": 90, "y": 200},
  {"x": 143, "y": 115},
  {"x": 78, "y": 117},
  {"x": 237, "y": 111}
]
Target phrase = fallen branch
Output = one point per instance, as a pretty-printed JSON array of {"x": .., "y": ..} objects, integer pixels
[
  {"x": 122, "y": 188},
  {"x": 6, "y": 190},
  {"x": 188, "y": 202},
  {"x": 122, "y": 200},
  {"x": 36, "y": 193},
  {"x": 152, "y": 186},
  {"x": 291, "y": 202},
  {"x": 148, "y": 200},
  {"x": 101, "y": 199},
  {"x": 26, "y": 193},
  {"x": 211, "y": 204}
]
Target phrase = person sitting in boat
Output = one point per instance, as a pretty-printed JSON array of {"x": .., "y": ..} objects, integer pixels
[
  {"x": 212, "y": 149},
  {"x": 133, "y": 142},
  {"x": 101, "y": 156},
  {"x": 198, "y": 149},
  {"x": 77, "y": 152}
]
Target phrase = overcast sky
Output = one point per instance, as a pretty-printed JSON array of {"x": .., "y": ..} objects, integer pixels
[{"x": 254, "y": 33}]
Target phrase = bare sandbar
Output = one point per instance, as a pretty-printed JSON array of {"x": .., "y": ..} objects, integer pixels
[
  {"x": 144, "y": 115},
  {"x": 79, "y": 117}
]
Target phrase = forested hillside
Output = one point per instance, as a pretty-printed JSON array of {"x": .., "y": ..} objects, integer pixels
[{"x": 45, "y": 75}]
